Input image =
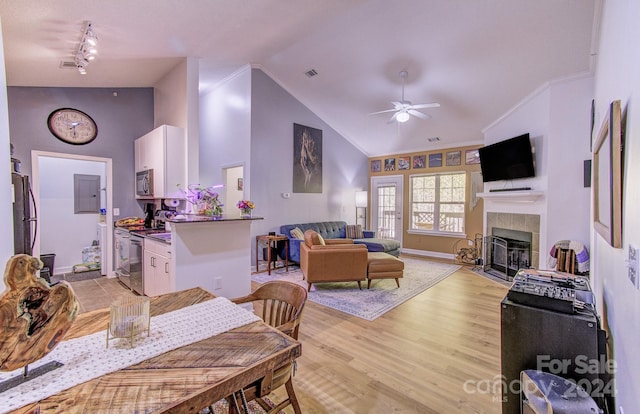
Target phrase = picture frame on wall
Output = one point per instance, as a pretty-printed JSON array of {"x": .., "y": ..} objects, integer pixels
[
  {"x": 240, "y": 184},
  {"x": 435, "y": 160},
  {"x": 454, "y": 158},
  {"x": 307, "y": 159},
  {"x": 390, "y": 164},
  {"x": 404, "y": 163},
  {"x": 472, "y": 157},
  {"x": 376, "y": 165},
  {"x": 607, "y": 177},
  {"x": 419, "y": 161}
]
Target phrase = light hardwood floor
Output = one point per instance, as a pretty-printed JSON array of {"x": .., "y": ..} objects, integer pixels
[{"x": 416, "y": 358}]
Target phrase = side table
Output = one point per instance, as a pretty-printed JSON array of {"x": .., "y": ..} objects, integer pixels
[{"x": 272, "y": 241}]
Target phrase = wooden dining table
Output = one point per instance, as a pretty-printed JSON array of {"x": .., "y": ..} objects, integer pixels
[{"x": 184, "y": 380}]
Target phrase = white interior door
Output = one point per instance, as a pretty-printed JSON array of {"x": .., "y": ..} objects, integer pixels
[{"x": 386, "y": 206}]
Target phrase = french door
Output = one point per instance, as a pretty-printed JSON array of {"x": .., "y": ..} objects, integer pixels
[{"x": 386, "y": 206}]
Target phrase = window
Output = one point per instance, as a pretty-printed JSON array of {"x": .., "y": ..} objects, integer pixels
[{"x": 438, "y": 203}]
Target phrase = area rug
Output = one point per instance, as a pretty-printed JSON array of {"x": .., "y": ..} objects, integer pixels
[
  {"x": 419, "y": 275},
  {"x": 222, "y": 407}
]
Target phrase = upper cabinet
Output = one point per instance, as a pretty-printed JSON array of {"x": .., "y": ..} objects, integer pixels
[{"x": 163, "y": 150}]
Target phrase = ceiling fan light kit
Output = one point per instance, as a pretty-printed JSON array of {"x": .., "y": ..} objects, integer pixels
[
  {"x": 402, "y": 116},
  {"x": 403, "y": 110}
]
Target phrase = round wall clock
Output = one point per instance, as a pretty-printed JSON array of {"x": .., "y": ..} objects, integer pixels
[{"x": 72, "y": 126}]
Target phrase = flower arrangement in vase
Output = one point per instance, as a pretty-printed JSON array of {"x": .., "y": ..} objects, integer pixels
[
  {"x": 204, "y": 200},
  {"x": 245, "y": 207}
]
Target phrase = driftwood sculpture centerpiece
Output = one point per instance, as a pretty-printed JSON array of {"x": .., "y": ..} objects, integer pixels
[{"x": 34, "y": 316}]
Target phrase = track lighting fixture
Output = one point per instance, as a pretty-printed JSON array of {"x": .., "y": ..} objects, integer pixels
[{"x": 87, "y": 49}]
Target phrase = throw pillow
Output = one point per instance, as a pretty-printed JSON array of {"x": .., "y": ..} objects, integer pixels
[
  {"x": 297, "y": 233},
  {"x": 321, "y": 240},
  {"x": 354, "y": 231},
  {"x": 311, "y": 238}
]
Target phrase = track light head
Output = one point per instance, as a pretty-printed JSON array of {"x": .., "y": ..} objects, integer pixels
[{"x": 86, "y": 51}]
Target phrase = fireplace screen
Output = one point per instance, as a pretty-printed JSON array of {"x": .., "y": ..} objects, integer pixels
[{"x": 505, "y": 256}]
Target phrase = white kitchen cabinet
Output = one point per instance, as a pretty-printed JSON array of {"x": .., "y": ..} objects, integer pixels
[
  {"x": 163, "y": 150},
  {"x": 157, "y": 270}
]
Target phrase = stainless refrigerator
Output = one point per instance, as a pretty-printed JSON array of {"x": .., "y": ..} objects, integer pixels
[{"x": 25, "y": 224}]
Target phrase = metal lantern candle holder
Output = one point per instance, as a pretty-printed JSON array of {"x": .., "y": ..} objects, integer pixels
[{"x": 129, "y": 317}]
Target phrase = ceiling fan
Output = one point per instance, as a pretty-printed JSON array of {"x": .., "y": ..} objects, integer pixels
[{"x": 403, "y": 109}]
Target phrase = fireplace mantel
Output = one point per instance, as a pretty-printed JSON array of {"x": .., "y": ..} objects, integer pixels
[{"x": 528, "y": 196}]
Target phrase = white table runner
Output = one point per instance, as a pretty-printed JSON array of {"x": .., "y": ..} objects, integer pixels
[{"x": 87, "y": 357}]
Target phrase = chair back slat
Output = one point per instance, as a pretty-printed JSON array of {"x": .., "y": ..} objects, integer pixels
[{"x": 282, "y": 303}]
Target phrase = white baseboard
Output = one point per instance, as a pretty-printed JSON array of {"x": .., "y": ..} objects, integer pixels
[
  {"x": 63, "y": 269},
  {"x": 428, "y": 253}
]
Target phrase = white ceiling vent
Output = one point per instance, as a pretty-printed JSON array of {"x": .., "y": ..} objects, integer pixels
[
  {"x": 433, "y": 139},
  {"x": 311, "y": 73}
]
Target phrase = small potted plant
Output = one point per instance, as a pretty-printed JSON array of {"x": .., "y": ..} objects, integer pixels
[
  {"x": 245, "y": 207},
  {"x": 204, "y": 200}
]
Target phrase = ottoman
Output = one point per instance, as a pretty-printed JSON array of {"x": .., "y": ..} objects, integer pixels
[{"x": 383, "y": 266}]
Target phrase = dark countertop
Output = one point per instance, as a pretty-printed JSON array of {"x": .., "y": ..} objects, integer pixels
[{"x": 193, "y": 218}]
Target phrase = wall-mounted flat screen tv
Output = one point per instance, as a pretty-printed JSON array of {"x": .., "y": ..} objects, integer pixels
[{"x": 507, "y": 160}]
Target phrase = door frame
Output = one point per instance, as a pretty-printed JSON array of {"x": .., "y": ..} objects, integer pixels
[
  {"x": 245, "y": 184},
  {"x": 377, "y": 181},
  {"x": 35, "y": 182}
]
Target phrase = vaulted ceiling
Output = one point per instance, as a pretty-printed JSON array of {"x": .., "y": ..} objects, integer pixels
[{"x": 477, "y": 58}]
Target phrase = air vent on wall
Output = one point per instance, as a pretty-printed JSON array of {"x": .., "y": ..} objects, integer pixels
[
  {"x": 433, "y": 139},
  {"x": 311, "y": 73}
]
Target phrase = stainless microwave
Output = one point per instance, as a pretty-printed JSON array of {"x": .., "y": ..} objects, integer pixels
[{"x": 144, "y": 183}]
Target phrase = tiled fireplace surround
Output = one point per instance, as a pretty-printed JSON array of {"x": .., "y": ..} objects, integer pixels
[{"x": 522, "y": 222}]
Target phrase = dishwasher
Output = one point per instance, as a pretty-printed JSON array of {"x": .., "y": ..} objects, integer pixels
[
  {"x": 135, "y": 264},
  {"x": 122, "y": 247}
]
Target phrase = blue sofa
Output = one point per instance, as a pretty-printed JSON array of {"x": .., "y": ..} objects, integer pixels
[{"x": 335, "y": 230}]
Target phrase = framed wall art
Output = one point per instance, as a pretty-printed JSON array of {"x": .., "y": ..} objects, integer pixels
[
  {"x": 472, "y": 157},
  {"x": 419, "y": 161},
  {"x": 307, "y": 159},
  {"x": 435, "y": 160},
  {"x": 404, "y": 163},
  {"x": 454, "y": 158},
  {"x": 390, "y": 164},
  {"x": 376, "y": 165},
  {"x": 607, "y": 177}
]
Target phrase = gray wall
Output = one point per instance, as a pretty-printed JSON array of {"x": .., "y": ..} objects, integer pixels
[
  {"x": 273, "y": 113},
  {"x": 120, "y": 119}
]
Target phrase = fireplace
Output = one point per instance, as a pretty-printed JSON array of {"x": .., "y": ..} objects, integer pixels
[{"x": 507, "y": 251}]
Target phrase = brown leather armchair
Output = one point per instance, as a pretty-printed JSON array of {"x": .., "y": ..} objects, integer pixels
[{"x": 332, "y": 260}]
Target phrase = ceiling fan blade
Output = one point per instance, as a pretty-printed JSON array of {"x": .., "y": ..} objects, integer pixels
[
  {"x": 382, "y": 112},
  {"x": 397, "y": 105},
  {"x": 418, "y": 114},
  {"x": 426, "y": 105},
  {"x": 393, "y": 118}
]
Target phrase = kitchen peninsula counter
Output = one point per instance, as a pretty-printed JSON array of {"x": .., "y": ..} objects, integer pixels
[{"x": 213, "y": 253}]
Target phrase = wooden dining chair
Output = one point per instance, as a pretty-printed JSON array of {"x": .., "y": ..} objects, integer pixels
[{"x": 280, "y": 304}]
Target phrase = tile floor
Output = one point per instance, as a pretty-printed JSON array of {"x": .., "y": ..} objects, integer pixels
[{"x": 99, "y": 292}]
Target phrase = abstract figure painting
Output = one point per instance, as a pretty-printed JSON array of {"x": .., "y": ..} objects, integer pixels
[
  {"x": 376, "y": 165},
  {"x": 307, "y": 159}
]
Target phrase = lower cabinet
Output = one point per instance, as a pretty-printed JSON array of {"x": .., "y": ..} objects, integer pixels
[{"x": 157, "y": 274}]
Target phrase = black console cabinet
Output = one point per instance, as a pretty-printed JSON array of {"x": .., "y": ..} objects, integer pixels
[{"x": 567, "y": 345}]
